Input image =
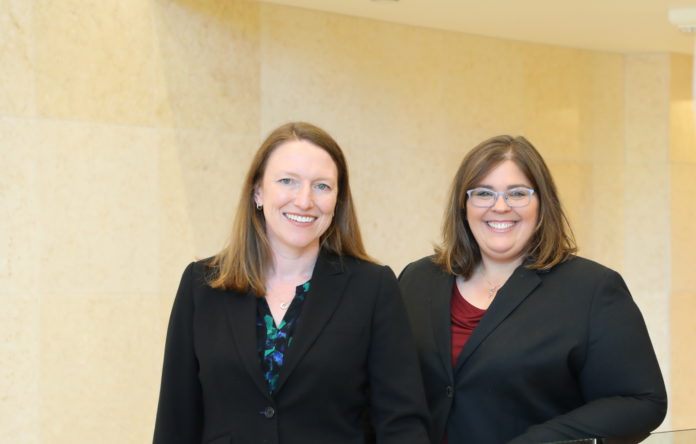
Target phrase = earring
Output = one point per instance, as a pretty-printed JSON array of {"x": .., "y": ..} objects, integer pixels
[{"x": 259, "y": 206}]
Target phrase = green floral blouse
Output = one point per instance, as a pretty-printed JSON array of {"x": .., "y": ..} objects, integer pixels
[{"x": 274, "y": 341}]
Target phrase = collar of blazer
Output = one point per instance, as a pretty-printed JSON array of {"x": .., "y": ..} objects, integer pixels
[
  {"x": 520, "y": 285},
  {"x": 515, "y": 290},
  {"x": 329, "y": 280}
]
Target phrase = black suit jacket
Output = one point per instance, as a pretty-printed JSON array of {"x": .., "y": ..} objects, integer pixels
[
  {"x": 559, "y": 355},
  {"x": 352, "y": 348}
]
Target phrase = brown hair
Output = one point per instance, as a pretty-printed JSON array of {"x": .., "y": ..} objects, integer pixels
[
  {"x": 552, "y": 241},
  {"x": 241, "y": 265}
]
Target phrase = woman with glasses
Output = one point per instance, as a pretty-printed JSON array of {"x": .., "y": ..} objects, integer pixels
[{"x": 520, "y": 340}]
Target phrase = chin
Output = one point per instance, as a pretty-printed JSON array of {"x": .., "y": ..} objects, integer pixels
[
  {"x": 303, "y": 244},
  {"x": 503, "y": 256}
]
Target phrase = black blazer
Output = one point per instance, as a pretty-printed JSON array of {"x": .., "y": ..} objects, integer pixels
[
  {"x": 559, "y": 355},
  {"x": 352, "y": 348}
]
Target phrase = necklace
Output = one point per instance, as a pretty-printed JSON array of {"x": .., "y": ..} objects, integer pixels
[
  {"x": 492, "y": 289},
  {"x": 281, "y": 285}
]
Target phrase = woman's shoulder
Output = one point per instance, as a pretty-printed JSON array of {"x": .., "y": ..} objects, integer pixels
[
  {"x": 203, "y": 266},
  {"x": 356, "y": 265},
  {"x": 198, "y": 272},
  {"x": 581, "y": 265},
  {"x": 582, "y": 275},
  {"x": 423, "y": 266}
]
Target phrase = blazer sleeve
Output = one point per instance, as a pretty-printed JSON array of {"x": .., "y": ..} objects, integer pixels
[
  {"x": 397, "y": 398},
  {"x": 180, "y": 409},
  {"x": 620, "y": 378}
]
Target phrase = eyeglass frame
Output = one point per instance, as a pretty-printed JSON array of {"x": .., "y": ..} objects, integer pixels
[{"x": 501, "y": 193}]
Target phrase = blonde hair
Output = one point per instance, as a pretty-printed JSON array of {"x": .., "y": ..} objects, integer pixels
[
  {"x": 242, "y": 264},
  {"x": 552, "y": 241}
]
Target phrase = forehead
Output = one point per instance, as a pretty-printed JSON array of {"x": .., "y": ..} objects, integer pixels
[
  {"x": 503, "y": 174},
  {"x": 301, "y": 157}
]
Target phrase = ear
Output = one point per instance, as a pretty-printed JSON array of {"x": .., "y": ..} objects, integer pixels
[{"x": 257, "y": 196}]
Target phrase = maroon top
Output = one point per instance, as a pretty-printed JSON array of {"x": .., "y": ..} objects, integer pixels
[{"x": 464, "y": 318}]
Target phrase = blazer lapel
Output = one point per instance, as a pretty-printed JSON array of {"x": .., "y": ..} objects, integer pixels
[
  {"x": 522, "y": 282},
  {"x": 241, "y": 313},
  {"x": 327, "y": 286},
  {"x": 440, "y": 294}
]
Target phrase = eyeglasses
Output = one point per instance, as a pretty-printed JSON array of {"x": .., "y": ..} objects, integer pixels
[{"x": 515, "y": 197}]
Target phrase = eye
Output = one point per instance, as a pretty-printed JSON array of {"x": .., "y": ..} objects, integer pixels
[
  {"x": 323, "y": 187},
  {"x": 482, "y": 193},
  {"x": 518, "y": 193},
  {"x": 285, "y": 181}
]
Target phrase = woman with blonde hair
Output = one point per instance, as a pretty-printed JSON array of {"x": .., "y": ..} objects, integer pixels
[{"x": 291, "y": 334}]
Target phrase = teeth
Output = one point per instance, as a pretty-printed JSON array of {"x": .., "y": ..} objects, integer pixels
[
  {"x": 500, "y": 225},
  {"x": 297, "y": 218}
]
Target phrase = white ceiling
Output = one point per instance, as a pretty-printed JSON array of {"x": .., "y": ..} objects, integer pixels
[{"x": 604, "y": 25}]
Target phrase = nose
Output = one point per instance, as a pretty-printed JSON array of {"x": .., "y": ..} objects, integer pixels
[
  {"x": 303, "y": 198},
  {"x": 500, "y": 204}
]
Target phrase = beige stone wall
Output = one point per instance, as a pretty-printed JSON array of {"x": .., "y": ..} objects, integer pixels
[
  {"x": 126, "y": 127},
  {"x": 682, "y": 163},
  {"x": 645, "y": 199}
]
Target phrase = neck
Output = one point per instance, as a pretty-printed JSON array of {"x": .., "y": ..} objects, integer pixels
[
  {"x": 290, "y": 265},
  {"x": 496, "y": 273}
]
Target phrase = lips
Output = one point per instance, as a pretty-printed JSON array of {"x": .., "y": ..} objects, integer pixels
[
  {"x": 299, "y": 218},
  {"x": 500, "y": 225}
]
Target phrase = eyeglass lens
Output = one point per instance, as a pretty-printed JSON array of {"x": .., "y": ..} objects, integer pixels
[{"x": 517, "y": 197}]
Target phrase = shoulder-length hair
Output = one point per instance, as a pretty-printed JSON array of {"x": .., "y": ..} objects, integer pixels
[
  {"x": 242, "y": 263},
  {"x": 552, "y": 241}
]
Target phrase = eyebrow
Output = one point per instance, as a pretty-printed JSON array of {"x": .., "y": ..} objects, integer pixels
[
  {"x": 317, "y": 179},
  {"x": 509, "y": 187}
]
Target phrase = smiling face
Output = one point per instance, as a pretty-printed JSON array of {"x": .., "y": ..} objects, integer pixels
[
  {"x": 298, "y": 192},
  {"x": 502, "y": 232}
]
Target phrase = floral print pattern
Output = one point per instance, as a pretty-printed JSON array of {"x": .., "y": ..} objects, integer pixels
[{"x": 274, "y": 341}]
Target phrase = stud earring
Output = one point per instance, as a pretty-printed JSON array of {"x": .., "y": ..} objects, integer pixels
[{"x": 259, "y": 206}]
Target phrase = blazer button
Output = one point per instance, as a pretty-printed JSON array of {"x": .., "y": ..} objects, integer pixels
[
  {"x": 450, "y": 391},
  {"x": 268, "y": 412}
]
